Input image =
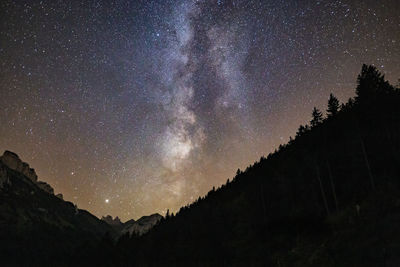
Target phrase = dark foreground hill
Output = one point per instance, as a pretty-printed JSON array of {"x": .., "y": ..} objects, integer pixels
[{"x": 330, "y": 197}]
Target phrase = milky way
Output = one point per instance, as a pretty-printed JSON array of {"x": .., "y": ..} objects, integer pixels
[{"x": 135, "y": 107}]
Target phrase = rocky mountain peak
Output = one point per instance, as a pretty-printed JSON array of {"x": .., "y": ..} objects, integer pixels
[
  {"x": 112, "y": 221},
  {"x": 143, "y": 225},
  {"x": 12, "y": 161}
]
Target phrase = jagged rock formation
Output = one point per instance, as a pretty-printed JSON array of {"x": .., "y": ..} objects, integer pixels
[
  {"x": 141, "y": 226},
  {"x": 12, "y": 161},
  {"x": 45, "y": 187},
  {"x": 109, "y": 219}
]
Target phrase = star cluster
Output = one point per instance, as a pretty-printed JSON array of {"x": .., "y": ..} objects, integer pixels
[{"x": 135, "y": 107}]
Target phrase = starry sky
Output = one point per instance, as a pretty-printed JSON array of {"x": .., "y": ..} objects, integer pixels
[{"x": 134, "y": 107}]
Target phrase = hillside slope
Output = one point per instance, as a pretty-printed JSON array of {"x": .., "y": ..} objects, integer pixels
[{"x": 330, "y": 197}]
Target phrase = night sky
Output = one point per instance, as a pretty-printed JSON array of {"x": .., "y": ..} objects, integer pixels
[{"x": 134, "y": 107}]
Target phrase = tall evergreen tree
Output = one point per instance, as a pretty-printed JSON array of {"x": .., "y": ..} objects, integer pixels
[
  {"x": 333, "y": 106},
  {"x": 369, "y": 82},
  {"x": 316, "y": 117},
  {"x": 302, "y": 129}
]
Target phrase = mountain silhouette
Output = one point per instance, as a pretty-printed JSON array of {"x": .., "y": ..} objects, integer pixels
[
  {"x": 132, "y": 227},
  {"x": 35, "y": 225}
]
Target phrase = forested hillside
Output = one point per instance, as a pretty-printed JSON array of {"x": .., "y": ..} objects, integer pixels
[{"x": 330, "y": 197}]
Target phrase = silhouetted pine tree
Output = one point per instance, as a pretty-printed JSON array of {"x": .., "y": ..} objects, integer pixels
[
  {"x": 370, "y": 82},
  {"x": 333, "y": 106},
  {"x": 316, "y": 117},
  {"x": 302, "y": 129},
  {"x": 333, "y": 187},
  {"x": 321, "y": 187}
]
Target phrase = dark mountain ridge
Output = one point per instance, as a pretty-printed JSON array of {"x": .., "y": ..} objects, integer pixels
[{"x": 132, "y": 227}]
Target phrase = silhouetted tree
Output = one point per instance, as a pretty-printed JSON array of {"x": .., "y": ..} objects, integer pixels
[
  {"x": 333, "y": 187},
  {"x": 369, "y": 82},
  {"x": 333, "y": 106},
  {"x": 321, "y": 187},
  {"x": 290, "y": 140},
  {"x": 263, "y": 203},
  {"x": 367, "y": 164},
  {"x": 302, "y": 129},
  {"x": 316, "y": 117}
]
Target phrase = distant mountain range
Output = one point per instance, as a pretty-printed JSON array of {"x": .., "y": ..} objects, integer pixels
[
  {"x": 31, "y": 216},
  {"x": 132, "y": 227}
]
